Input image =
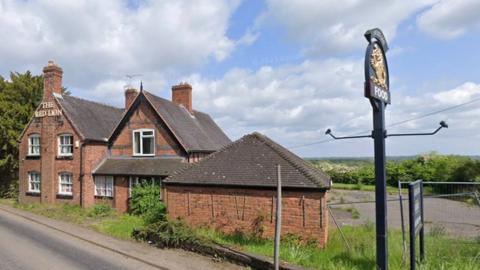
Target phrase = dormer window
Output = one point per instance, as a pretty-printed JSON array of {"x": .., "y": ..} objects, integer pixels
[
  {"x": 144, "y": 142},
  {"x": 34, "y": 145},
  {"x": 65, "y": 145}
]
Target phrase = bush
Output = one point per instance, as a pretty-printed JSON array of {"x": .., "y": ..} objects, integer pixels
[
  {"x": 9, "y": 190},
  {"x": 171, "y": 234},
  {"x": 145, "y": 202},
  {"x": 100, "y": 210}
]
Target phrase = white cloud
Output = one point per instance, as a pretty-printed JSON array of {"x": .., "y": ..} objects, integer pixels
[
  {"x": 461, "y": 94},
  {"x": 338, "y": 26},
  {"x": 104, "y": 40},
  {"x": 450, "y": 18},
  {"x": 295, "y": 104}
]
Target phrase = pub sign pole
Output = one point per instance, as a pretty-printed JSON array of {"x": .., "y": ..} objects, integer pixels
[{"x": 377, "y": 90}]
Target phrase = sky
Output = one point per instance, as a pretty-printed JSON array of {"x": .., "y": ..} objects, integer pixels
[{"x": 287, "y": 69}]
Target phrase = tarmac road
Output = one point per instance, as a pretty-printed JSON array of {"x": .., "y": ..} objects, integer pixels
[{"x": 28, "y": 245}]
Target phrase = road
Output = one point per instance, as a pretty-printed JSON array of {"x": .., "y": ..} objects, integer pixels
[
  {"x": 28, "y": 245},
  {"x": 457, "y": 219}
]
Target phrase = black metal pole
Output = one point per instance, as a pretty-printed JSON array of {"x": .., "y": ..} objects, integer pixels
[
  {"x": 380, "y": 185},
  {"x": 411, "y": 217},
  {"x": 422, "y": 230}
]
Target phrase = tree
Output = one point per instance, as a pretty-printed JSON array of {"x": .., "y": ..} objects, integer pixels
[{"x": 19, "y": 97}]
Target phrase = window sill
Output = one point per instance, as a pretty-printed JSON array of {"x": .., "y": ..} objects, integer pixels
[
  {"x": 64, "y": 157},
  {"x": 32, "y": 157},
  {"x": 146, "y": 155},
  {"x": 65, "y": 196},
  {"x": 104, "y": 197},
  {"x": 33, "y": 194}
]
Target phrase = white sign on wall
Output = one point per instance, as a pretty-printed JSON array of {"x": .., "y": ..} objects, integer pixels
[{"x": 47, "y": 109}]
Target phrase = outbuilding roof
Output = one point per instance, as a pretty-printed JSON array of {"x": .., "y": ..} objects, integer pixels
[
  {"x": 95, "y": 121},
  {"x": 251, "y": 162},
  {"x": 139, "y": 166}
]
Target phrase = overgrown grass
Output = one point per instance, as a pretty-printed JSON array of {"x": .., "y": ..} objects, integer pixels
[
  {"x": 361, "y": 187},
  {"x": 120, "y": 227},
  {"x": 100, "y": 217},
  {"x": 441, "y": 252}
]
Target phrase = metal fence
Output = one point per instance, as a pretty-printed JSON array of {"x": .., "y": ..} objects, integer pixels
[{"x": 452, "y": 210}]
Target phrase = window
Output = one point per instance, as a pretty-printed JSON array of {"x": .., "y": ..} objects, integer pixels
[
  {"x": 34, "y": 145},
  {"x": 33, "y": 182},
  {"x": 144, "y": 142},
  {"x": 65, "y": 145},
  {"x": 65, "y": 183},
  {"x": 104, "y": 186},
  {"x": 142, "y": 181}
]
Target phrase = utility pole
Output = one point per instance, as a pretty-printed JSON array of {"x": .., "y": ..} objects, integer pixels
[{"x": 278, "y": 219}]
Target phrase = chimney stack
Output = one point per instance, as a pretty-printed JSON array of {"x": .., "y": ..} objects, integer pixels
[
  {"x": 130, "y": 95},
  {"x": 52, "y": 80},
  {"x": 182, "y": 95}
]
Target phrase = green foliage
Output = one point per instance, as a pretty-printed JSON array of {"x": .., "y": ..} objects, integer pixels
[
  {"x": 19, "y": 97},
  {"x": 146, "y": 202},
  {"x": 172, "y": 234},
  {"x": 120, "y": 226},
  {"x": 100, "y": 210},
  {"x": 441, "y": 252},
  {"x": 429, "y": 167}
]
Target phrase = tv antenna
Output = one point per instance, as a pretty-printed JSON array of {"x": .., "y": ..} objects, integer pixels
[{"x": 130, "y": 78}]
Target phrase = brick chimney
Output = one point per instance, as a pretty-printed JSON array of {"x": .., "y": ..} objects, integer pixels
[
  {"x": 182, "y": 95},
  {"x": 130, "y": 95},
  {"x": 52, "y": 80}
]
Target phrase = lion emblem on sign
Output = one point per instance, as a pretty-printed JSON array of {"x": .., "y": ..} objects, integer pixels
[{"x": 378, "y": 65}]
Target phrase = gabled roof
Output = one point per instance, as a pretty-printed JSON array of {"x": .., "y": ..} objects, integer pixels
[
  {"x": 139, "y": 166},
  {"x": 195, "y": 131},
  {"x": 251, "y": 162},
  {"x": 93, "y": 120}
]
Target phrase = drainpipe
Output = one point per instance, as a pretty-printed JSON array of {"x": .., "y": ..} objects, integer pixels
[{"x": 81, "y": 173}]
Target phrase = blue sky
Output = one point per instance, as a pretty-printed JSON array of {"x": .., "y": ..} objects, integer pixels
[{"x": 288, "y": 69}]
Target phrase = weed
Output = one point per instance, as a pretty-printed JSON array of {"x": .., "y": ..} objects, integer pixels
[{"x": 437, "y": 230}]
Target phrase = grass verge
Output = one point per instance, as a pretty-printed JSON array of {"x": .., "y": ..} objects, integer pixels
[
  {"x": 441, "y": 252},
  {"x": 390, "y": 190},
  {"x": 101, "y": 218}
]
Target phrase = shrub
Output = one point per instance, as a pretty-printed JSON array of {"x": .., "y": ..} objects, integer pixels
[
  {"x": 171, "y": 234},
  {"x": 145, "y": 202},
  {"x": 100, "y": 210}
]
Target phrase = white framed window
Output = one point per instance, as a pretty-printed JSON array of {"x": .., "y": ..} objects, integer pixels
[
  {"x": 142, "y": 180},
  {"x": 34, "y": 145},
  {"x": 144, "y": 142},
  {"x": 34, "y": 182},
  {"x": 65, "y": 145},
  {"x": 104, "y": 186},
  {"x": 65, "y": 183}
]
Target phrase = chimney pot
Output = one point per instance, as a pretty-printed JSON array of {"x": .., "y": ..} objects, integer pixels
[{"x": 182, "y": 95}]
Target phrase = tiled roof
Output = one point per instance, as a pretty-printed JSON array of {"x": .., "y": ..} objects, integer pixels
[
  {"x": 251, "y": 161},
  {"x": 139, "y": 166},
  {"x": 95, "y": 121},
  {"x": 196, "y": 132}
]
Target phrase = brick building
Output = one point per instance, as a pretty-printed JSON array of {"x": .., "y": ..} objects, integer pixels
[
  {"x": 235, "y": 189},
  {"x": 78, "y": 151}
]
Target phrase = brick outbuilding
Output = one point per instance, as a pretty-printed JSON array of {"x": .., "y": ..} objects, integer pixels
[{"x": 235, "y": 189}]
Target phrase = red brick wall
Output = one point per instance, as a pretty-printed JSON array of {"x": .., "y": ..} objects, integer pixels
[
  {"x": 145, "y": 117},
  {"x": 121, "y": 193},
  {"x": 93, "y": 154},
  {"x": 230, "y": 209},
  {"x": 49, "y": 127}
]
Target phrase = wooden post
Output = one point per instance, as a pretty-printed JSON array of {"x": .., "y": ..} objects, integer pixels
[{"x": 278, "y": 220}]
